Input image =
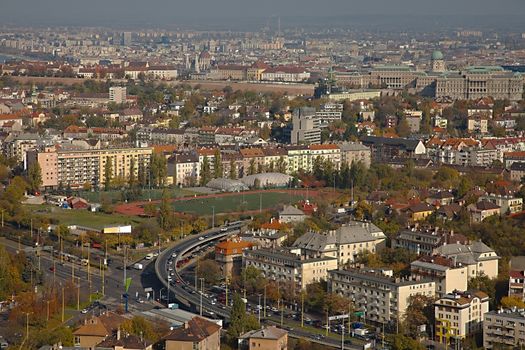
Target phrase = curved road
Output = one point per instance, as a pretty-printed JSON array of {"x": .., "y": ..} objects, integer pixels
[{"x": 185, "y": 293}]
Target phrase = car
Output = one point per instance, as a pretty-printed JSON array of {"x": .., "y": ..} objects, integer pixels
[
  {"x": 140, "y": 301},
  {"x": 201, "y": 238},
  {"x": 224, "y": 229},
  {"x": 52, "y": 269},
  {"x": 84, "y": 311},
  {"x": 177, "y": 280},
  {"x": 213, "y": 302}
]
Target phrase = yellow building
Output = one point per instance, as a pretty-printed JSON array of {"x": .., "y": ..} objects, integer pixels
[{"x": 459, "y": 315}]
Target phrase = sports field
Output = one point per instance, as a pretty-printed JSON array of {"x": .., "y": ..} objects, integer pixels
[{"x": 237, "y": 203}]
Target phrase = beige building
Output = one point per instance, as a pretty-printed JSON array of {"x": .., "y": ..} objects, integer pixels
[
  {"x": 449, "y": 276},
  {"x": 96, "y": 329},
  {"x": 380, "y": 296},
  {"x": 479, "y": 258},
  {"x": 289, "y": 266},
  {"x": 459, "y": 315},
  {"x": 504, "y": 329},
  {"x": 268, "y": 338},
  {"x": 478, "y": 124},
  {"x": 355, "y": 152},
  {"x": 196, "y": 334},
  {"x": 228, "y": 255},
  {"x": 508, "y": 204},
  {"x": 345, "y": 243},
  {"x": 75, "y": 168}
]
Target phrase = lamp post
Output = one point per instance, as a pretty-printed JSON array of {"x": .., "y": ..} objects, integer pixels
[
  {"x": 202, "y": 291},
  {"x": 213, "y": 217}
]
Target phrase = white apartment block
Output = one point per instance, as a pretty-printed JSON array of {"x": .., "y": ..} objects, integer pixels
[
  {"x": 289, "y": 266},
  {"x": 380, "y": 296}
]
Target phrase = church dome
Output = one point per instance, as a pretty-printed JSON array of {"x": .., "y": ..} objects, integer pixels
[{"x": 437, "y": 55}]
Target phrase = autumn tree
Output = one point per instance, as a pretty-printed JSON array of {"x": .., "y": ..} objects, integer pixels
[
  {"x": 34, "y": 177},
  {"x": 205, "y": 172},
  {"x": 209, "y": 270},
  {"x": 217, "y": 164},
  {"x": 233, "y": 170},
  {"x": 108, "y": 173},
  {"x": 132, "y": 180}
]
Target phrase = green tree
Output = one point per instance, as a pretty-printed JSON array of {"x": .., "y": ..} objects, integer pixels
[
  {"x": 240, "y": 321},
  {"x": 217, "y": 164},
  {"x": 233, "y": 170},
  {"x": 402, "y": 342},
  {"x": 205, "y": 171},
  {"x": 34, "y": 177},
  {"x": 108, "y": 173},
  {"x": 158, "y": 169},
  {"x": 132, "y": 180},
  {"x": 251, "y": 169},
  {"x": 281, "y": 165},
  {"x": 165, "y": 215}
]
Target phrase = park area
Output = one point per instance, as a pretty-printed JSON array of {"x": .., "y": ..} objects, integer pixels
[{"x": 84, "y": 217}]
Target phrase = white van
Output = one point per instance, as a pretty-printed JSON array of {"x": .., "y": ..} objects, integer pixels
[{"x": 138, "y": 266}]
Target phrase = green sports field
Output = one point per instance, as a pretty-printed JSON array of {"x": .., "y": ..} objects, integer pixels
[{"x": 235, "y": 203}]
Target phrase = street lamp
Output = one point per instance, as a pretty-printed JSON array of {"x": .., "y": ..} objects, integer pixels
[
  {"x": 202, "y": 291},
  {"x": 160, "y": 294},
  {"x": 213, "y": 217}
]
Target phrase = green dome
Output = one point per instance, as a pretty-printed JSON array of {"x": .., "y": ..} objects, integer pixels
[{"x": 437, "y": 55}]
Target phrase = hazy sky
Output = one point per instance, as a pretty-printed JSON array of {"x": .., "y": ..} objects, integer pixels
[{"x": 106, "y": 12}]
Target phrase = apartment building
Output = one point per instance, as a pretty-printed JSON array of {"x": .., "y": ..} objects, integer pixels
[
  {"x": 425, "y": 240},
  {"x": 345, "y": 244},
  {"x": 117, "y": 94},
  {"x": 380, "y": 296},
  {"x": 184, "y": 168},
  {"x": 504, "y": 329},
  {"x": 459, "y": 315},
  {"x": 355, "y": 152},
  {"x": 448, "y": 275},
  {"x": 326, "y": 152},
  {"x": 289, "y": 266},
  {"x": 75, "y": 168},
  {"x": 479, "y": 258},
  {"x": 508, "y": 203},
  {"x": 304, "y": 129}
]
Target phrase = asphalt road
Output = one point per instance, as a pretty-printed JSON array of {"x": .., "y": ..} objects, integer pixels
[{"x": 185, "y": 293}]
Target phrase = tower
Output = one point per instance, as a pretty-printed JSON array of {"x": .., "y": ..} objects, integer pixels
[{"x": 437, "y": 62}]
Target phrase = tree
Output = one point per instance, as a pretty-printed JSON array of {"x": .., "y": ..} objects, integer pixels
[
  {"x": 108, "y": 173},
  {"x": 141, "y": 327},
  {"x": 240, "y": 322},
  {"x": 403, "y": 129},
  {"x": 420, "y": 311},
  {"x": 34, "y": 177},
  {"x": 158, "y": 169},
  {"x": 402, "y": 342},
  {"x": 132, "y": 181},
  {"x": 209, "y": 271},
  {"x": 265, "y": 132},
  {"x": 217, "y": 164},
  {"x": 233, "y": 170},
  {"x": 281, "y": 165},
  {"x": 251, "y": 169},
  {"x": 165, "y": 217},
  {"x": 205, "y": 171},
  {"x": 512, "y": 301}
]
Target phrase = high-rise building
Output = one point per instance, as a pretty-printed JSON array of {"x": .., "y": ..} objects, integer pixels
[
  {"x": 117, "y": 94},
  {"x": 126, "y": 38},
  {"x": 304, "y": 129}
]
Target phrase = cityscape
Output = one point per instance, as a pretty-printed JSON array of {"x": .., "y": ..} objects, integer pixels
[{"x": 261, "y": 175}]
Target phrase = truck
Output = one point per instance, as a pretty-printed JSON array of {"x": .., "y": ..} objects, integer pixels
[{"x": 138, "y": 266}]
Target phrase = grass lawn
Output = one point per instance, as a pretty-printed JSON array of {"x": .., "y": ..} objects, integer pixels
[
  {"x": 235, "y": 203},
  {"x": 85, "y": 217},
  {"x": 116, "y": 196}
]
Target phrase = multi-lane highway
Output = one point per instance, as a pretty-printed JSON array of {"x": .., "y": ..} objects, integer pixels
[{"x": 185, "y": 293}]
